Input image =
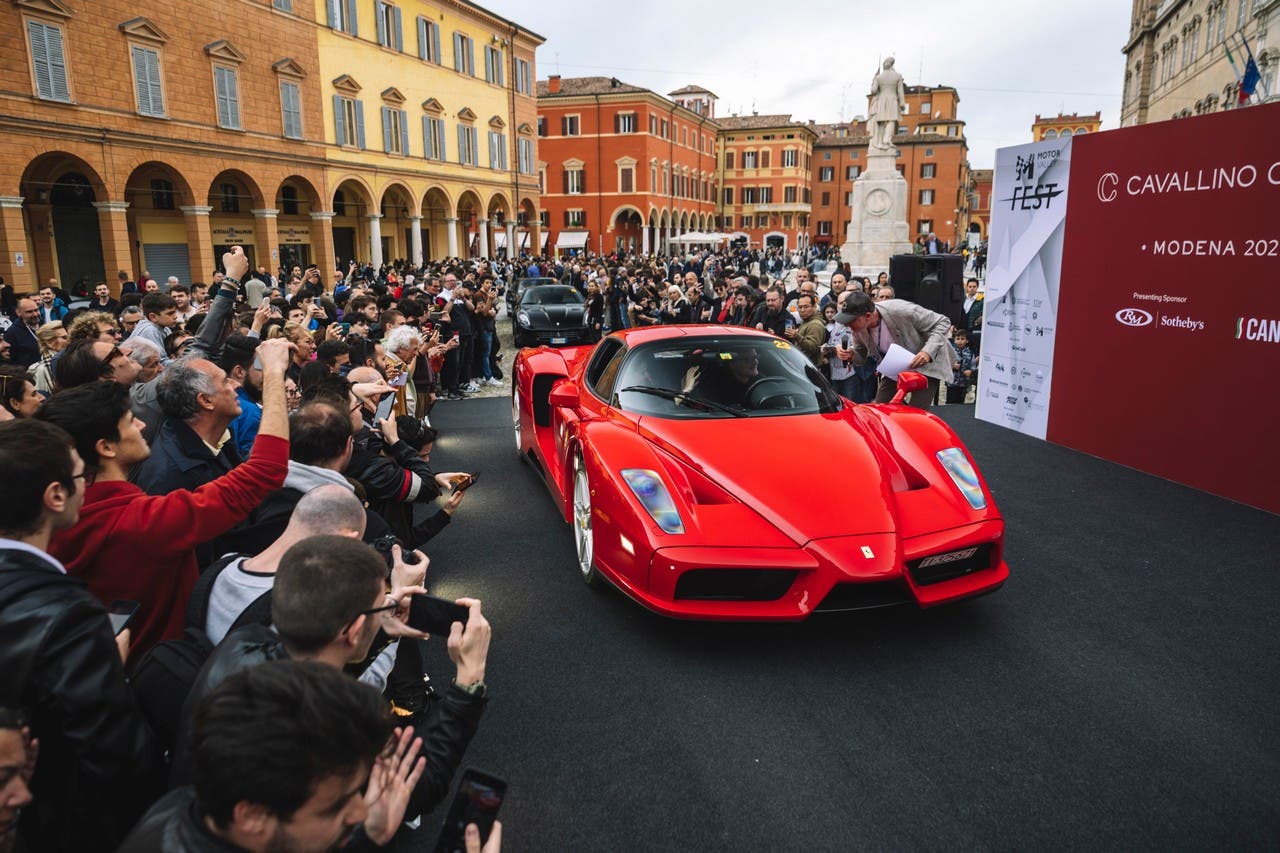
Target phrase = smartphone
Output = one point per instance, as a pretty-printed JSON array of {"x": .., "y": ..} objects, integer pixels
[
  {"x": 467, "y": 483},
  {"x": 477, "y": 801},
  {"x": 435, "y": 615},
  {"x": 384, "y": 408},
  {"x": 121, "y": 613},
  {"x": 345, "y": 327},
  {"x": 398, "y": 381}
]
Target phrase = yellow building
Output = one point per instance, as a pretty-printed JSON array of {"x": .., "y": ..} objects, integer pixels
[
  {"x": 430, "y": 116},
  {"x": 1053, "y": 127}
]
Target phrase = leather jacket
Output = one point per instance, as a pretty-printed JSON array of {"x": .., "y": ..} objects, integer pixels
[{"x": 98, "y": 765}]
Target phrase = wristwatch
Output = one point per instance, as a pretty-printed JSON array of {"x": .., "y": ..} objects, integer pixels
[
  {"x": 476, "y": 688},
  {"x": 235, "y": 281}
]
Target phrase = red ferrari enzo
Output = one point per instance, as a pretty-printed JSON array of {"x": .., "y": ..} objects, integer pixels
[{"x": 711, "y": 472}]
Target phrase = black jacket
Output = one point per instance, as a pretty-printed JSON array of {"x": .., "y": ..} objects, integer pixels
[
  {"x": 181, "y": 460},
  {"x": 24, "y": 348},
  {"x": 175, "y": 824},
  {"x": 451, "y": 724},
  {"x": 98, "y": 763},
  {"x": 393, "y": 482}
]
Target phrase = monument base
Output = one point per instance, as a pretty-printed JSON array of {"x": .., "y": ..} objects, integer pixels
[{"x": 878, "y": 229}]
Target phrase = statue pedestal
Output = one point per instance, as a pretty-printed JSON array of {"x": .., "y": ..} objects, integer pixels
[{"x": 878, "y": 228}]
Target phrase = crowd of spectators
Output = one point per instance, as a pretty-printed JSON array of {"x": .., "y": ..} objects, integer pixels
[
  {"x": 245, "y": 473},
  {"x": 247, "y": 465}
]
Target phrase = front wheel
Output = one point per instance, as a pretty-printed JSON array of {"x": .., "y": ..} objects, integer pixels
[{"x": 583, "y": 538}]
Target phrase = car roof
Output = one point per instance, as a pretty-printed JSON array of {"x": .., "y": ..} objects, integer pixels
[{"x": 647, "y": 334}]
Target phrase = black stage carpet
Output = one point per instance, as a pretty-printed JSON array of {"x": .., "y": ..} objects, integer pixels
[{"x": 1120, "y": 692}]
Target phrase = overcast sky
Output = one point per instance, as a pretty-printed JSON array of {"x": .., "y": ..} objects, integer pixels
[{"x": 1009, "y": 59}]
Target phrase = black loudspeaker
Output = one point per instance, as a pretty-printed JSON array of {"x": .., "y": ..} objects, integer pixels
[{"x": 935, "y": 282}]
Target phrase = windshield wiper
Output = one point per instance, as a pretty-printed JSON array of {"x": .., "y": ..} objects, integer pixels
[{"x": 668, "y": 394}]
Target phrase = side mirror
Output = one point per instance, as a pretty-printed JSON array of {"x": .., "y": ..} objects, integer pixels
[
  {"x": 563, "y": 395},
  {"x": 909, "y": 381}
]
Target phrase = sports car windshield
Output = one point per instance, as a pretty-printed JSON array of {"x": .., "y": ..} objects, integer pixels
[
  {"x": 722, "y": 377},
  {"x": 551, "y": 294}
]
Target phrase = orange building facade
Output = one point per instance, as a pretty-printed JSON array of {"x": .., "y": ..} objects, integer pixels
[
  {"x": 764, "y": 176},
  {"x": 151, "y": 136},
  {"x": 933, "y": 158},
  {"x": 622, "y": 167}
]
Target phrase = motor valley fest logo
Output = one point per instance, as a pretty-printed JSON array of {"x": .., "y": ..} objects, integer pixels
[
  {"x": 1242, "y": 176},
  {"x": 1032, "y": 192}
]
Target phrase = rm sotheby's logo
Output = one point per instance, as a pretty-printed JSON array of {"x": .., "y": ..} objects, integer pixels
[
  {"x": 1133, "y": 317},
  {"x": 1107, "y": 187},
  {"x": 1258, "y": 329}
]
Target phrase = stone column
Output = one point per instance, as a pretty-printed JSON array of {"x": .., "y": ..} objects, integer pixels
[
  {"x": 513, "y": 249},
  {"x": 415, "y": 240},
  {"x": 266, "y": 234},
  {"x": 199, "y": 241},
  {"x": 322, "y": 245},
  {"x": 451, "y": 230},
  {"x": 483, "y": 251},
  {"x": 644, "y": 240},
  {"x": 13, "y": 245},
  {"x": 113, "y": 224},
  {"x": 375, "y": 239}
]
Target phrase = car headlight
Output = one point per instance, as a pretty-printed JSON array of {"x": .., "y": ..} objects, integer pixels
[
  {"x": 523, "y": 319},
  {"x": 963, "y": 475},
  {"x": 652, "y": 493}
]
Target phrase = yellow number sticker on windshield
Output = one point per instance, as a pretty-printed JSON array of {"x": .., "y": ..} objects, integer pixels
[{"x": 782, "y": 345}]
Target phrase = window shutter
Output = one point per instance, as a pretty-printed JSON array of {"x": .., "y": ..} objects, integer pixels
[
  {"x": 386, "y": 130},
  {"x": 567, "y": 218},
  {"x": 442, "y": 154},
  {"x": 426, "y": 138},
  {"x": 399, "y": 29},
  {"x": 331, "y": 6},
  {"x": 564, "y": 125},
  {"x": 457, "y": 52},
  {"x": 55, "y": 63},
  {"x": 435, "y": 46},
  {"x": 566, "y": 181},
  {"x": 352, "y": 21},
  {"x": 381, "y": 22},
  {"x": 617, "y": 122},
  {"x": 422, "y": 38},
  {"x": 360, "y": 124},
  {"x": 471, "y": 56},
  {"x": 339, "y": 127},
  {"x": 140, "y": 80},
  {"x": 153, "y": 82},
  {"x": 462, "y": 143},
  {"x": 404, "y": 133},
  {"x": 40, "y": 59},
  {"x": 220, "y": 96}
]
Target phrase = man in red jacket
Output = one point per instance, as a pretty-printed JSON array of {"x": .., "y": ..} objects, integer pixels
[{"x": 138, "y": 547}]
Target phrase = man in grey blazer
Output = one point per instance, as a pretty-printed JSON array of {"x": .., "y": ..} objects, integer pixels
[{"x": 876, "y": 325}]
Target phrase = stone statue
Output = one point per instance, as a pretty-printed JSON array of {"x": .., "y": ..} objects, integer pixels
[{"x": 887, "y": 99}]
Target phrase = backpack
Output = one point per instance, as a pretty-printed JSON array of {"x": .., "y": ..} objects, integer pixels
[{"x": 163, "y": 677}]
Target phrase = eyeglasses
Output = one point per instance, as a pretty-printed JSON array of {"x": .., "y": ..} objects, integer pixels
[
  {"x": 383, "y": 609},
  {"x": 107, "y": 367}
]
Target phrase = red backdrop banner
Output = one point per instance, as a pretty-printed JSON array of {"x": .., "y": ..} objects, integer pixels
[{"x": 1168, "y": 345}]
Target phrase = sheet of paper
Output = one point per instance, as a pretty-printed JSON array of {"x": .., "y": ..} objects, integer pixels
[{"x": 896, "y": 360}]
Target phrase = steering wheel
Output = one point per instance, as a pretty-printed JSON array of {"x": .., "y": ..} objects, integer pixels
[{"x": 760, "y": 394}]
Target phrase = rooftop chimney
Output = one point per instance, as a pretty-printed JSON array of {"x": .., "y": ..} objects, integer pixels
[{"x": 553, "y": 84}]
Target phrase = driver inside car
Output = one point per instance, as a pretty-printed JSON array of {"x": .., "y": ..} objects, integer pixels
[{"x": 727, "y": 376}]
